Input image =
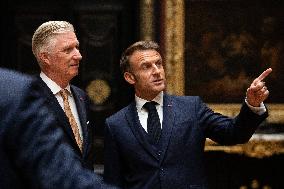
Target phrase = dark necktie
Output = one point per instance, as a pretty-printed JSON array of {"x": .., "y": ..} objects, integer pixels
[{"x": 153, "y": 121}]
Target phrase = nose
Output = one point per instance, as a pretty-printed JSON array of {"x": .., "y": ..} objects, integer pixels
[
  {"x": 77, "y": 55},
  {"x": 156, "y": 69}
]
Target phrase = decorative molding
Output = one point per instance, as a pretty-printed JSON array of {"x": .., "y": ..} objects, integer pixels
[
  {"x": 98, "y": 90},
  {"x": 174, "y": 43},
  {"x": 147, "y": 26},
  {"x": 260, "y": 146},
  {"x": 276, "y": 111},
  {"x": 94, "y": 35}
]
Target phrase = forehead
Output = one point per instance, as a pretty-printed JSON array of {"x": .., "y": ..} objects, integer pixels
[
  {"x": 141, "y": 56},
  {"x": 66, "y": 38}
]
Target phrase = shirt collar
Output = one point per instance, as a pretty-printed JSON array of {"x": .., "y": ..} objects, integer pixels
[
  {"x": 140, "y": 101},
  {"x": 52, "y": 85}
]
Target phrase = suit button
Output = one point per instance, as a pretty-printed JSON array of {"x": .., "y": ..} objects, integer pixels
[
  {"x": 159, "y": 153},
  {"x": 161, "y": 169}
]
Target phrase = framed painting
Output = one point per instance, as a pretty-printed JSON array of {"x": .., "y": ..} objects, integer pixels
[{"x": 228, "y": 43}]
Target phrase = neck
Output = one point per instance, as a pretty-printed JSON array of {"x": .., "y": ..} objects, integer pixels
[
  {"x": 148, "y": 97},
  {"x": 62, "y": 82}
]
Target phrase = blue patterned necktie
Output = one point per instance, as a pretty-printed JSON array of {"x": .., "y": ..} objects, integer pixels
[{"x": 153, "y": 122}]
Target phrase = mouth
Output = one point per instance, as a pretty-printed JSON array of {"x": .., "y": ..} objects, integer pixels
[
  {"x": 74, "y": 65},
  {"x": 158, "y": 81}
]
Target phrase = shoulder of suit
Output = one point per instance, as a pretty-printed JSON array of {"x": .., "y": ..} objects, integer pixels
[
  {"x": 182, "y": 98},
  {"x": 77, "y": 89},
  {"x": 120, "y": 113},
  {"x": 15, "y": 87},
  {"x": 13, "y": 76},
  {"x": 13, "y": 82}
]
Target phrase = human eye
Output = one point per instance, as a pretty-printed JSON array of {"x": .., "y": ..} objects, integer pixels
[
  {"x": 67, "y": 50},
  {"x": 159, "y": 63},
  {"x": 145, "y": 66},
  {"x": 77, "y": 47}
]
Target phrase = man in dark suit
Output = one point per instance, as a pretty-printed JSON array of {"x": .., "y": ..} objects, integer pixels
[
  {"x": 157, "y": 142},
  {"x": 56, "y": 49},
  {"x": 34, "y": 153}
]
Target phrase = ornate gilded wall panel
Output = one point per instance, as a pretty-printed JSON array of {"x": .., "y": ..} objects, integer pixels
[
  {"x": 147, "y": 17},
  {"x": 174, "y": 45}
]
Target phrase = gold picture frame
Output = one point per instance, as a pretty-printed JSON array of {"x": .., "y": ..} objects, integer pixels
[{"x": 175, "y": 52}]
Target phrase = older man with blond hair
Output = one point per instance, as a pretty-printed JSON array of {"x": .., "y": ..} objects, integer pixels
[{"x": 56, "y": 48}]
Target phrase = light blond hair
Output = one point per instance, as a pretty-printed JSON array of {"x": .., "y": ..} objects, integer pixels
[{"x": 43, "y": 37}]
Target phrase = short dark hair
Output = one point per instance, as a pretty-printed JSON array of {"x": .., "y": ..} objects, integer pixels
[{"x": 140, "y": 45}]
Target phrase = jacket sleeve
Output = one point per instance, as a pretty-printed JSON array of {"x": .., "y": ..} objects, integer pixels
[
  {"x": 38, "y": 148},
  {"x": 228, "y": 130},
  {"x": 112, "y": 161}
]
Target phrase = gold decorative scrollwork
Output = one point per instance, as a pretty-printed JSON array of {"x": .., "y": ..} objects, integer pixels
[
  {"x": 255, "y": 148},
  {"x": 276, "y": 111},
  {"x": 255, "y": 184},
  {"x": 98, "y": 91}
]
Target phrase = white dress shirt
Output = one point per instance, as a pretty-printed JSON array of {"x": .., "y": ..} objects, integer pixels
[
  {"x": 55, "y": 90},
  {"x": 143, "y": 113},
  {"x": 258, "y": 110}
]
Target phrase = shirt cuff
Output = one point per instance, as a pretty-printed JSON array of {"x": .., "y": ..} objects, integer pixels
[{"x": 258, "y": 110}]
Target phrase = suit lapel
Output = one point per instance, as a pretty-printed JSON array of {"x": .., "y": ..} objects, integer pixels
[
  {"x": 168, "y": 124},
  {"x": 134, "y": 123},
  {"x": 81, "y": 109},
  {"x": 58, "y": 112}
]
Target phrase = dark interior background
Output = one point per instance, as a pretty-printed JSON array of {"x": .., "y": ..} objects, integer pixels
[{"x": 105, "y": 28}]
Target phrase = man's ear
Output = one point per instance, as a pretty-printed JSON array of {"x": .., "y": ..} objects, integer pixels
[
  {"x": 129, "y": 77},
  {"x": 44, "y": 57}
]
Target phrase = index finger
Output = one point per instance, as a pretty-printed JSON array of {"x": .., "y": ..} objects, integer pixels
[{"x": 264, "y": 74}]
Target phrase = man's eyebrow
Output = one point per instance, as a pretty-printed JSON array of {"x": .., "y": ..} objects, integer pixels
[{"x": 144, "y": 63}]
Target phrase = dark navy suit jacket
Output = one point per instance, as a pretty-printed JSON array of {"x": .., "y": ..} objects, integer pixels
[
  {"x": 178, "y": 161},
  {"x": 34, "y": 153},
  {"x": 83, "y": 104}
]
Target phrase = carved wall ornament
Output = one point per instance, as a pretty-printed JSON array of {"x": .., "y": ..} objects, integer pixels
[
  {"x": 260, "y": 146},
  {"x": 99, "y": 91}
]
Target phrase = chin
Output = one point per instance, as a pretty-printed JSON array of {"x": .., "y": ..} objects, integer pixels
[
  {"x": 158, "y": 90},
  {"x": 71, "y": 76},
  {"x": 161, "y": 88},
  {"x": 74, "y": 73}
]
